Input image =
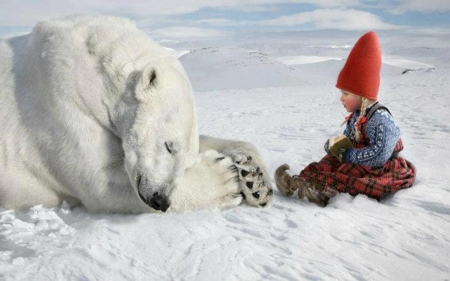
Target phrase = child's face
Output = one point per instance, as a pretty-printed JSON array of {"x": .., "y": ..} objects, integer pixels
[{"x": 350, "y": 101}]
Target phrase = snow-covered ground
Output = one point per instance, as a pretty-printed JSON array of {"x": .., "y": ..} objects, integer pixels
[{"x": 287, "y": 105}]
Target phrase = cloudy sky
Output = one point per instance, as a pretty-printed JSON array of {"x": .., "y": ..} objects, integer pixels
[{"x": 200, "y": 18}]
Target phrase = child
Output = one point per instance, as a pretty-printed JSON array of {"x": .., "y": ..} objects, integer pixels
[{"x": 373, "y": 166}]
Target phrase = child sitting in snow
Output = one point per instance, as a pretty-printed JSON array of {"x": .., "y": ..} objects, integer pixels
[{"x": 373, "y": 166}]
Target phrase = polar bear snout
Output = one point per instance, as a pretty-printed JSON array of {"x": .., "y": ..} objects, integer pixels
[
  {"x": 159, "y": 202},
  {"x": 155, "y": 199}
]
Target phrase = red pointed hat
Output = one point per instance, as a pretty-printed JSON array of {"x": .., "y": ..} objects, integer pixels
[{"x": 361, "y": 72}]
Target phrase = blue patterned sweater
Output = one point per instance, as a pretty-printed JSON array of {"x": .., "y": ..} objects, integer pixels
[{"x": 383, "y": 134}]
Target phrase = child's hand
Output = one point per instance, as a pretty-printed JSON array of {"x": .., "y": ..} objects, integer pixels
[
  {"x": 326, "y": 146},
  {"x": 341, "y": 154}
]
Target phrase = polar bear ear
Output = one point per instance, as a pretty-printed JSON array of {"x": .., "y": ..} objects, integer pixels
[
  {"x": 152, "y": 78},
  {"x": 150, "y": 81}
]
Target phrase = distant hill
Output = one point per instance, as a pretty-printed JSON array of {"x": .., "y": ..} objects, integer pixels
[
  {"x": 231, "y": 68},
  {"x": 213, "y": 69}
]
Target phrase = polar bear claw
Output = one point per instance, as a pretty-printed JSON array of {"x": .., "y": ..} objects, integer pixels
[{"x": 251, "y": 182}]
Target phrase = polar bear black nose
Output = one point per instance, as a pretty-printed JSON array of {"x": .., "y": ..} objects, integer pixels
[{"x": 159, "y": 202}]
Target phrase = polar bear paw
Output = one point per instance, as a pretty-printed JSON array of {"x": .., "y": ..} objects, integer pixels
[
  {"x": 251, "y": 182},
  {"x": 211, "y": 182}
]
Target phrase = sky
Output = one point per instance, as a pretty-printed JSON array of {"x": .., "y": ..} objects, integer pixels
[{"x": 216, "y": 18}]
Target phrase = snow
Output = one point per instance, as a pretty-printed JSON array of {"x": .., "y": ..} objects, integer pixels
[
  {"x": 405, "y": 63},
  {"x": 236, "y": 68},
  {"x": 293, "y": 60},
  {"x": 288, "y": 111}
]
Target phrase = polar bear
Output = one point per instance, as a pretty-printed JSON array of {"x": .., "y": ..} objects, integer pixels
[{"x": 96, "y": 113}]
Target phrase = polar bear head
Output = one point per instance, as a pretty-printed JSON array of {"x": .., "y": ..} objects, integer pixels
[
  {"x": 107, "y": 70},
  {"x": 147, "y": 96},
  {"x": 158, "y": 126}
]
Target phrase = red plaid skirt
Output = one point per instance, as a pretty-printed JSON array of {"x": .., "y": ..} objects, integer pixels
[{"x": 396, "y": 174}]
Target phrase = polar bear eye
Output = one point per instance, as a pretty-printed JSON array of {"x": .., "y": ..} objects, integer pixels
[{"x": 171, "y": 147}]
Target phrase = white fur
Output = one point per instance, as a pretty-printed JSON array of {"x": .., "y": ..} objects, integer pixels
[
  {"x": 236, "y": 150},
  {"x": 208, "y": 183},
  {"x": 95, "y": 112},
  {"x": 261, "y": 194}
]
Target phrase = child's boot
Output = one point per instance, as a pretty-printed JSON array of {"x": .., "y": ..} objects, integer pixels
[
  {"x": 316, "y": 193},
  {"x": 284, "y": 182}
]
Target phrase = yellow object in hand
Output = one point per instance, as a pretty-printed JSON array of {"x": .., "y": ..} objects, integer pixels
[{"x": 337, "y": 142}]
